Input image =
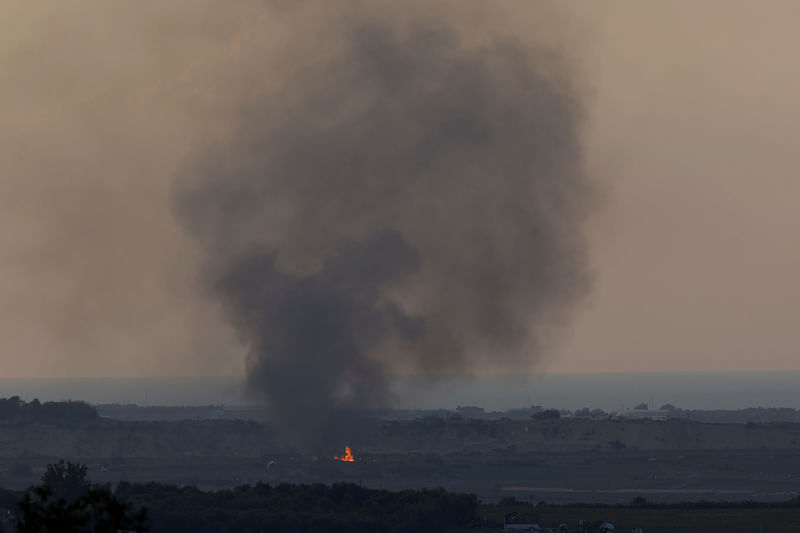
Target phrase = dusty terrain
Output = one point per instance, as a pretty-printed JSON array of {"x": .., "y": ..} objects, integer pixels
[{"x": 566, "y": 460}]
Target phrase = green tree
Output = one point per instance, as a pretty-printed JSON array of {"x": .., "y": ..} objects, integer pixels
[
  {"x": 97, "y": 511},
  {"x": 66, "y": 480},
  {"x": 547, "y": 414},
  {"x": 639, "y": 501}
]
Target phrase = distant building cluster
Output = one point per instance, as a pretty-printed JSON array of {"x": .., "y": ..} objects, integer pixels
[
  {"x": 642, "y": 414},
  {"x": 535, "y": 412}
]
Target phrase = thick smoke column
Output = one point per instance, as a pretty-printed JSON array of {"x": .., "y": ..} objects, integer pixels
[
  {"x": 401, "y": 199},
  {"x": 312, "y": 335}
]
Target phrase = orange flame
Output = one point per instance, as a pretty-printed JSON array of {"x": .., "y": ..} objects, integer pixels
[{"x": 348, "y": 455}]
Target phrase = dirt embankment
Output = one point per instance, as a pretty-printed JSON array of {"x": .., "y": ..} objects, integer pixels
[
  {"x": 236, "y": 438},
  {"x": 111, "y": 438},
  {"x": 572, "y": 435}
]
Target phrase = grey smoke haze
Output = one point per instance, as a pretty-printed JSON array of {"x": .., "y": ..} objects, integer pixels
[{"x": 402, "y": 197}]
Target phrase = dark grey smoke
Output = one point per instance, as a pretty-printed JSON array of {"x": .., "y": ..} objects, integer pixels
[
  {"x": 312, "y": 335},
  {"x": 403, "y": 201}
]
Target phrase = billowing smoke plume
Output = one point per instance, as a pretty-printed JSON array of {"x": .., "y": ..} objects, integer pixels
[{"x": 401, "y": 198}]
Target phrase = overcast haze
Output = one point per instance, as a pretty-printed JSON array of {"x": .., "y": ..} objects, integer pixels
[{"x": 691, "y": 133}]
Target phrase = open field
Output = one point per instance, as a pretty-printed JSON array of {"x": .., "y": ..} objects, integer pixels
[
  {"x": 610, "y": 477},
  {"x": 563, "y": 461},
  {"x": 717, "y": 520}
]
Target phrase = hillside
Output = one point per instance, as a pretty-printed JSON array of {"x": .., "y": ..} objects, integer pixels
[{"x": 109, "y": 438}]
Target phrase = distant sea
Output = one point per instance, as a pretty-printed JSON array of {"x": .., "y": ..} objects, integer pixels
[{"x": 492, "y": 392}]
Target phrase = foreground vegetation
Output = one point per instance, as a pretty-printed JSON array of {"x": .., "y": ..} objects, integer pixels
[{"x": 65, "y": 501}]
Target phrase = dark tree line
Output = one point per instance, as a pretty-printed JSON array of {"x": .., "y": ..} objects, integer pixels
[
  {"x": 316, "y": 508},
  {"x": 15, "y": 410},
  {"x": 65, "y": 502}
]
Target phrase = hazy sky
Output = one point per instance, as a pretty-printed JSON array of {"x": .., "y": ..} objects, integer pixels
[
  {"x": 695, "y": 128},
  {"x": 692, "y": 131}
]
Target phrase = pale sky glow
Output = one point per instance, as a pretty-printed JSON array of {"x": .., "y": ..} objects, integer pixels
[{"x": 695, "y": 128}]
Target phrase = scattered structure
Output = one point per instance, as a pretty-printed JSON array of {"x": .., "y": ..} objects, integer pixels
[{"x": 642, "y": 414}]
